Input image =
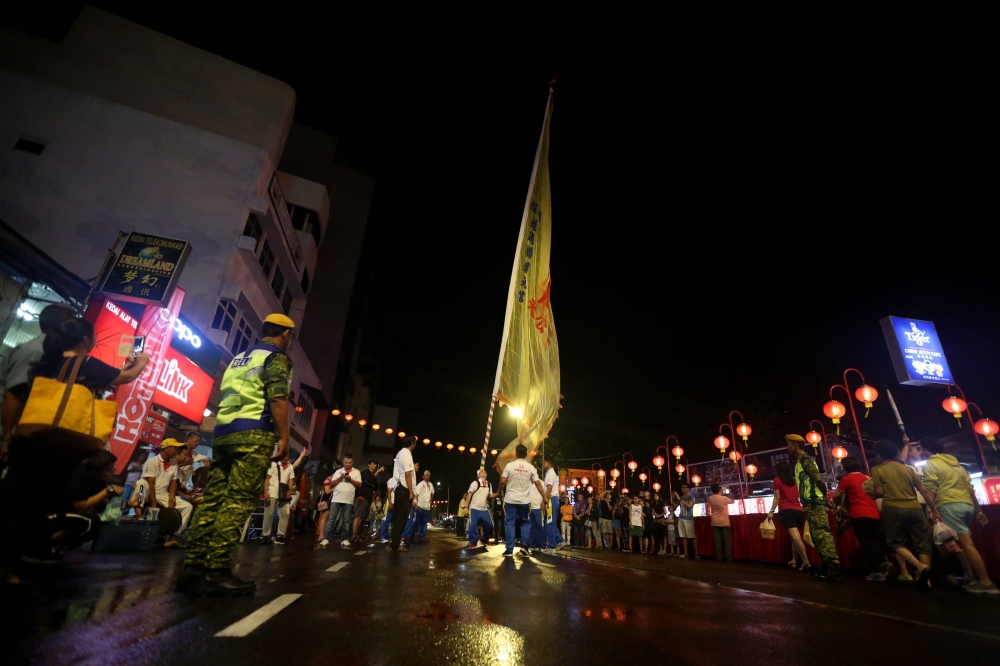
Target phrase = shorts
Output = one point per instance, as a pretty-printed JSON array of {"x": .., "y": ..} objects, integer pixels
[
  {"x": 906, "y": 524},
  {"x": 685, "y": 529},
  {"x": 361, "y": 507},
  {"x": 606, "y": 526},
  {"x": 792, "y": 518},
  {"x": 636, "y": 531},
  {"x": 958, "y": 516},
  {"x": 616, "y": 525}
]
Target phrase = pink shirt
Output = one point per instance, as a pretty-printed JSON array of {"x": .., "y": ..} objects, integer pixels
[{"x": 718, "y": 506}]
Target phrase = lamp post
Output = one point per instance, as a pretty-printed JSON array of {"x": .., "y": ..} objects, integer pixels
[
  {"x": 645, "y": 476},
  {"x": 665, "y": 460},
  {"x": 599, "y": 474},
  {"x": 744, "y": 432},
  {"x": 685, "y": 468},
  {"x": 863, "y": 390},
  {"x": 979, "y": 445},
  {"x": 827, "y": 460},
  {"x": 615, "y": 474}
]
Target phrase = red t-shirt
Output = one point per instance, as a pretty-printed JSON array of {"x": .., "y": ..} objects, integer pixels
[
  {"x": 862, "y": 506},
  {"x": 789, "y": 496}
]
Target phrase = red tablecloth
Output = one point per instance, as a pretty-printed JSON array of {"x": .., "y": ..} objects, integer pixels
[{"x": 748, "y": 544}]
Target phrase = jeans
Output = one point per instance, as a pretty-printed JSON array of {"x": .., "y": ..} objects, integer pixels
[
  {"x": 723, "y": 537},
  {"x": 418, "y": 528},
  {"x": 408, "y": 530},
  {"x": 552, "y": 537},
  {"x": 479, "y": 518},
  {"x": 567, "y": 530},
  {"x": 537, "y": 536},
  {"x": 516, "y": 513},
  {"x": 339, "y": 521},
  {"x": 386, "y": 523},
  {"x": 282, "y": 516}
]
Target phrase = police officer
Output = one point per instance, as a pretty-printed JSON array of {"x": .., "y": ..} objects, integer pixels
[{"x": 253, "y": 416}]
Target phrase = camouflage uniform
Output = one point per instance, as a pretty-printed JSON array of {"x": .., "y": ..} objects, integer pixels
[
  {"x": 819, "y": 522},
  {"x": 235, "y": 480}
]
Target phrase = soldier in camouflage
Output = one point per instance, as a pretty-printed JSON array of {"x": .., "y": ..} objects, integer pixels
[
  {"x": 815, "y": 502},
  {"x": 253, "y": 417}
]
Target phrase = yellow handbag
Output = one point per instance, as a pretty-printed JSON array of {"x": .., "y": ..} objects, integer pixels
[{"x": 63, "y": 405}]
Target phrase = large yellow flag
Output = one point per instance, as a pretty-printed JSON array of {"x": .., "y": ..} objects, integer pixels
[{"x": 528, "y": 372}]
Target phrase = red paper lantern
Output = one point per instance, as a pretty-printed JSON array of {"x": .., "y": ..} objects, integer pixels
[
  {"x": 600, "y": 473},
  {"x": 574, "y": 483},
  {"x": 956, "y": 406},
  {"x": 348, "y": 417},
  {"x": 987, "y": 428},
  {"x": 677, "y": 451},
  {"x": 375, "y": 426},
  {"x": 472, "y": 449},
  {"x": 751, "y": 470},
  {"x": 814, "y": 438},
  {"x": 493, "y": 452},
  {"x": 658, "y": 461},
  {"x": 722, "y": 442},
  {"x": 633, "y": 465},
  {"x": 834, "y": 410},
  {"x": 735, "y": 456},
  {"x": 657, "y": 486},
  {"x": 679, "y": 469},
  {"x": 438, "y": 444},
  {"x": 585, "y": 481},
  {"x": 695, "y": 479},
  {"x": 461, "y": 448},
  {"x": 615, "y": 473},
  {"x": 612, "y": 483},
  {"x": 590, "y": 489},
  {"x": 335, "y": 412},
  {"x": 866, "y": 394},
  {"x": 362, "y": 423},
  {"x": 839, "y": 453},
  {"x": 625, "y": 491},
  {"x": 743, "y": 430},
  {"x": 450, "y": 447},
  {"x": 643, "y": 477}
]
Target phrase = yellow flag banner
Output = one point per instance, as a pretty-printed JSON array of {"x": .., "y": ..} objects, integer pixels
[{"x": 528, "y": 371}]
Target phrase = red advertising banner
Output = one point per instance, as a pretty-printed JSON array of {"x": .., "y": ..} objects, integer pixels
[
  {"x": 992, "y": 487},
  {"x": 183, "y": 388},
  {"x": 135, "y": 400},
  {"x": 153, "y": 429},
  {"x": 114, "y": 329}
]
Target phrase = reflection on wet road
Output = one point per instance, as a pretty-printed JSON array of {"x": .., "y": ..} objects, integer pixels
[{"x": 440, "y": 604}]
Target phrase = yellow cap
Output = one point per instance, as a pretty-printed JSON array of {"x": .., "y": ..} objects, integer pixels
[
  {"x": 169, "y": 441},
  {"x": 280, "y": 320},
  {"x": 795, "y": 438}
]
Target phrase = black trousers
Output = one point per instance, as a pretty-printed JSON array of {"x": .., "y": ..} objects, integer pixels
[
  {"x": 400, "y": 512},
  {"x": 872, "y": 540}
]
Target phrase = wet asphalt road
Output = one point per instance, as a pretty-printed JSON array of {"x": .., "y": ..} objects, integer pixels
[{"x": 439, "y": 604}]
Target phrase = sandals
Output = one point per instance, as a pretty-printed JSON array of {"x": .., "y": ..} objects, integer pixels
[
  {"x": 805, "y": 567},
  {"x": 792, "y": 564}
]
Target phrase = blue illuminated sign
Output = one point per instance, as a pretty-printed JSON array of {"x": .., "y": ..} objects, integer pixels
[{"x": 916, "y": 351}]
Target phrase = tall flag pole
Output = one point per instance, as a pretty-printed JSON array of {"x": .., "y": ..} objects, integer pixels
[{"x": 527, "y": 379}]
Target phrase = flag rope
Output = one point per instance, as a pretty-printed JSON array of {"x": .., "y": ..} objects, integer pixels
[{"x": 489, "y": 427}]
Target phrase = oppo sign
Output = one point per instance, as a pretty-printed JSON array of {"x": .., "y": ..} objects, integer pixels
[{"x": 183, "y": 332}]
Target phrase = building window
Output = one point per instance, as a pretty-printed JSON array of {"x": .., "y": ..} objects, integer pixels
[
  {"x": 278, "y": 283},
  {"x": 255, "y": 231},
  {"x": 266, "y": 259},
  {"x": 225, "y": 315},
  {"x": 305, "y": 220},
  {"x": 244, "y": 338},
  {"x": 286, "y": 301},
  {"x": 303, "y": 410}
]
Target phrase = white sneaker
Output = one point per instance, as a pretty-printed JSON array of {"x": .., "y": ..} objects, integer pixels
[
  {"x": 324, "y": 543},
  {"x": 345, "y": 544},
  {"x": 562, "y": 545},
  {"x": 385, "y": 541}
]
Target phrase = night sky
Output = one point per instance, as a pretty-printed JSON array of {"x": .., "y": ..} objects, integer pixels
[{"x": 724, "y": 237}]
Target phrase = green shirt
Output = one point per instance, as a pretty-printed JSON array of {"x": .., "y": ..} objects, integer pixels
[{"x": 900, "y": 483}]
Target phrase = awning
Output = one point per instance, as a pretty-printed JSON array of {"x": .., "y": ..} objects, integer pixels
[{"x": 33, "y": 264}]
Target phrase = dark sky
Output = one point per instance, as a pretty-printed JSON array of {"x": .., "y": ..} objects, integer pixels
[{"x": 727, "y": 231}]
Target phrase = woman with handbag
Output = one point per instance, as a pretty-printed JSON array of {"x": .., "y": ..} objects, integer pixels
[{"x": 790, "y": 513}]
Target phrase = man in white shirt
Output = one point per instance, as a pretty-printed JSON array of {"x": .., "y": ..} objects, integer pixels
[
  {"x": 478, "y": 497},
  {"x": 280, "y": 473},
  {"x": 402, "y": 472},
  {"x": 553, "y": 539},
  {"x": 518, "y": 477},
  {"x": 417, "y": 529},
  {"x": 192, "y": 441},
  {"x": 343, "y": 482},
  {"x": 160, "y": 475}
]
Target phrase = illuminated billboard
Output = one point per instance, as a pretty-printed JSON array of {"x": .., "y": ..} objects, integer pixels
[
  {"x": 916, "y": 351},
  {"x": 183, "y": 388},
  {"x": 114, "y": 329}
]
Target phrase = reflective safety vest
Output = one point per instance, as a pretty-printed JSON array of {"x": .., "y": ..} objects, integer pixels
[
  {"x": 809, "y": 491},
  {"x": 244, "y": 404}
]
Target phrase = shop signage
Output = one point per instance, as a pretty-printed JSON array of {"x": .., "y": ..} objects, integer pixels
[
  {"x": 114, "y": 330},
  {"x": 153, "y": 430},
  {"x": 147, "y": 269},
  {"x": 285, "y": 222},
  {"x": 193, "y": 344},
  {"x": 135, "y": 399},
  {"x": 991, "y": 486},
  {"x": 916, "y": 351},
  {"x": 183, "y": 388}
]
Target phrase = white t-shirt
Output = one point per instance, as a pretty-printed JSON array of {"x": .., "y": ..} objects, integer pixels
[
  {"x": 520, "y": 475},
  {"x": 636, "y": 512},
  {"x": 162, "y": 472},
  {"x": 534, "y": 497},
  {"x": 552, "y": 479},
  {"x": 344, "y": 492},
  {"x": 424, "y": 493},
  {"x": 401, "y": 465},
  {"x": 480, "y": 495},
  {"x": 273, "y": 479}
]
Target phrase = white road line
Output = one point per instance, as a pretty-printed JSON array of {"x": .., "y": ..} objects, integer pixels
[
  {"x": 360, "y": 552},
  {"x": 258, "y": 617},
  {"x": 338, "y": 566}
]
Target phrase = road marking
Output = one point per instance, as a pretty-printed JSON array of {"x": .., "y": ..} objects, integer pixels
[
  {"x": 258, "y": 617},
  {"x": 338, "y": 566},
  {"x": 818, "y": 604},
  {"x": 360, "y": 552}
]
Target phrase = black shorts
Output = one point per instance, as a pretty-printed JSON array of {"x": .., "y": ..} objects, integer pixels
[{"x": 791, "y": 518}]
